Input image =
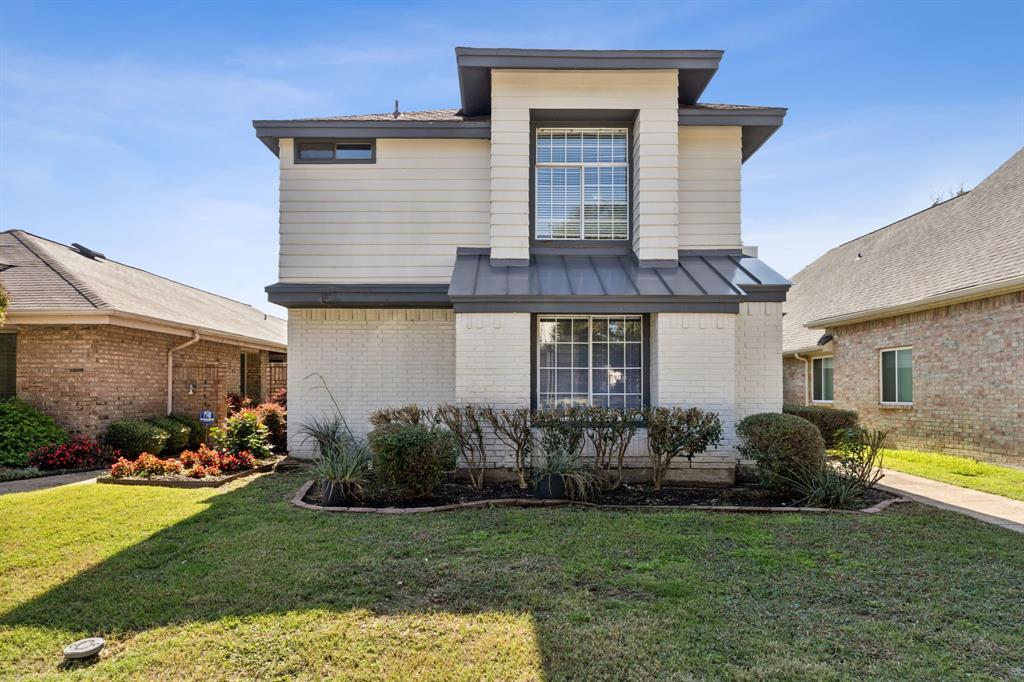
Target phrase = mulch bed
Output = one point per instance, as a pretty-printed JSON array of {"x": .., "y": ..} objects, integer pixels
[
  {"x": 452, "y": 494},
  {"x": 181, "y": 481}
]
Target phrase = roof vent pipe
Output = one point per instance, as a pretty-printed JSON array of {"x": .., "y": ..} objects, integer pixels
[
  {"x": 87, "y": 252},
  {"x": 396, "y": 113}
]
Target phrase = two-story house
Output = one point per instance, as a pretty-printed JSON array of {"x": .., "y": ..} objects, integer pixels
[{"x": 570, "y": 234}]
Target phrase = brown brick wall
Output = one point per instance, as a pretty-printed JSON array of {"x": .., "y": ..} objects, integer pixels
[
  {"x": 968, "y": 368},
  {"x": 87, "y": 376},
  {"x": 793, "y": 379}
]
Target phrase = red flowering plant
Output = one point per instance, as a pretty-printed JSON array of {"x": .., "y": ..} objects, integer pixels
[
  {"x": 205, "y": 456},
  {"x": 122, "y": 467},
  {"x": 150, "y": 465},
  {"x": 80, "y": 453},
  {"x": 213, "y": 462}
]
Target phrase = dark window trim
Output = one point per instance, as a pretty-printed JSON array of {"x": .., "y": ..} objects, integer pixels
[
  {"x": 607, "y": 121},
  {"x": 336, "y": 141},
  {"x": 645, "y": 351},
  {"x": 9, "y": 378}
]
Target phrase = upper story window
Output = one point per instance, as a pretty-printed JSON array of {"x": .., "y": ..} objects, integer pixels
[
  {"x": 822, "y": 380},
  {"x": 897, "y": 369},
  {"x": 582, "y": 183},
  {"x": 335, "y": 152}
]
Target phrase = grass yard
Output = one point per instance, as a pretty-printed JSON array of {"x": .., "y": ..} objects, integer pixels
[
  {"x": 239, "y": 584},
  {"x": 962, "y": 471}
]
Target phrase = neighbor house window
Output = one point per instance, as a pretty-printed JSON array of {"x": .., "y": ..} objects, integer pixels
[
  {"x": 822, "y": 380},
  {"x": 8, "y": 365},
  {"x": 335, "y": 152},
  {"x": 582, "y": 183},
  {"x": 590, "y": 360},
  {"x": 898, "y": 376}
]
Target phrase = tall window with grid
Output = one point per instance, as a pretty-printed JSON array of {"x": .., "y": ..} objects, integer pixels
[
  {"x": 590, "y": 360},
  {"x": 582, "y": 183}
]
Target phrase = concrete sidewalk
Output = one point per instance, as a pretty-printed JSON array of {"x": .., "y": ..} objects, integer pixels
[
  {"x": 994, "y": 509},
  {"x": 44, "y": 482}
]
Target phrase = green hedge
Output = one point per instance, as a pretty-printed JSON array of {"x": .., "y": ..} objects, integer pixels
[
  {"x": 24, "y": 429},
  {"x": 785, "y": 447},
  {"x": 177, "y": 433},
  {"x": 133, "y": 437},
  {"x": 412, "y": 457},
  {"x": 827, "y": 419},
  {"x": 196, "y": 429}
]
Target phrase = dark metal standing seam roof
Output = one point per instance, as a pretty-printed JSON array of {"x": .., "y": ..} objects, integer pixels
[{"x": 712, "y": 281}]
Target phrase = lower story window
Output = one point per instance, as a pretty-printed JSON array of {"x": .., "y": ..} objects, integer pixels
[
  {"x": 590, "y": 360},
  {"x": 898, "y": 376},
  {"x": 8, "y": 365},
  {"x": 823, "y": 373}
]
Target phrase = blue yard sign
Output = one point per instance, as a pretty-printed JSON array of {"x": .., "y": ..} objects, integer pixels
[{"x": 206, "y": 417}]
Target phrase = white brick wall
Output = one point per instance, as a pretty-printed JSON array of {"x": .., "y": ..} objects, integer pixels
[
  {"x": 758, "y": 359},
  {"x": 370, "y": 359},
  {"x": 492, "y": 359},
  {"x": 693, "y": 364}
]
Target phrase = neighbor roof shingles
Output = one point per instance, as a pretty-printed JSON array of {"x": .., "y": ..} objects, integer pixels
[
  {"x": 974, "y": 239},
  {"x": 48, "y": 275}
]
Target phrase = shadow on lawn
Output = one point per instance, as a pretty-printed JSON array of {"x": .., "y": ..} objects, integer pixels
[{"x": 603, "y": 592}]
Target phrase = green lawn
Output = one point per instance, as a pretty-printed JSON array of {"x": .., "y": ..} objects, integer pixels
[
  {"x": 239, "y": 584},
  {"x": 962, "y": 471}
]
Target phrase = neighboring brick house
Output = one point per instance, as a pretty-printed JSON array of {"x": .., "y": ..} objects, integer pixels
[
  {"x": 571, "y": 234},
  {"x": 919, "y": 326},
  {"x": 89, "y": 340}
]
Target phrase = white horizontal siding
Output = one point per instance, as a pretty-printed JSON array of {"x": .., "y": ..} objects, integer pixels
[
  {"x": 709, "y": 187},
  {"x": 397, "y": 220}
]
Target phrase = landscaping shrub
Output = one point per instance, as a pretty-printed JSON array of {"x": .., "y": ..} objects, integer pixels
[
  {"x": 236, "y": 402},
  {"x": 279, "y": 397},
  {"x": 611, "y": 431},
  {"x": 672, "y": 431},
  {"x": 196, "y": 429},
  {"x": 79, "y": 453},
  {"x": 275, "y": 418},
  {"x": 784, "y": 446},
  {"x": 133, "y": 437},
  {"x": 464, "y": 423},
  {"x": 412, "y": 415},
  {"x": 145, "y": 465},
  {"x": 243, "y": 432},
  {"x": 828, "y": 420},
  {"x": 342, "y": 462},
  {"x": 512, "y": 427},
  {"x": 177, "y": 433},
  {"x": 24, "y": 429},
  {"x": 412, "y": 457},
  {"x": 562, "y": 429}
]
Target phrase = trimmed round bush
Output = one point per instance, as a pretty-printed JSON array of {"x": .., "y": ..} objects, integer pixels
[
  {"x": 828, "y": 420},
  {"x": 412, "y": 458},
  {"x": 196, "y": 429},
  {"x": 133, "y": 437},
  {"x": 24, "y": 429},
  {"x": 785, "y": 447},
  {"x": 177, "y": 433}
]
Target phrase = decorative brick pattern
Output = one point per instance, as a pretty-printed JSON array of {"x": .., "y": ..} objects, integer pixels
[
  {"x": 968, "y": 373},
  {"x": 87, "y": 376},
  {"x": 369, "y": 359}
]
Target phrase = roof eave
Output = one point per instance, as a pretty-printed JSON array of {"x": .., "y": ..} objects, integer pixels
[
  {"x": 270, "y": 132},
  {"x": 758, "y": 124},
  {"x": 946, "y": 298}
]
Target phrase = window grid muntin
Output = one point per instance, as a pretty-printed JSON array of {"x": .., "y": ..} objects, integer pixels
[
  {"x": 897, "y": 354},
  {"x": 570, "y": 334},
  {"x": 599, "y": 158}
]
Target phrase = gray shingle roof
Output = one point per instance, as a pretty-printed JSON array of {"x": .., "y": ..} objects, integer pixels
[
  {"x": 972, "y": 240},
  {"x": 49, "y": 276}
]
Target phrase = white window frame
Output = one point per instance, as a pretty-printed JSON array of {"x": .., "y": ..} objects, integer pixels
[
  {"x": 823, "y": 402},
  {"x": 881, "y": 377},
  {"x": 582, "y": 165},
  {"x": 590, "y": 352}
]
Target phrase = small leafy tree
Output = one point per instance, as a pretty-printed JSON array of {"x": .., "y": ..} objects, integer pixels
[
  {"x": 611, "y": 431},
  {"x": 512, "y": 427},
  {"x": 562, "y": 429},
  {"x": 673, "y": 431},
  {"x": 464, "y": 422},
  {"x": 3, "y": 306}
]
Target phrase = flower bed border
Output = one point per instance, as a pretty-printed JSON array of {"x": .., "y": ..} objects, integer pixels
[
  {"x": 297, "y": 500},
  {"x": 192, "y": 482}
]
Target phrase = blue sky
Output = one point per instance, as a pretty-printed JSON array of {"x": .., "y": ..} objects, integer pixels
[{"x": 126, "y": 126}]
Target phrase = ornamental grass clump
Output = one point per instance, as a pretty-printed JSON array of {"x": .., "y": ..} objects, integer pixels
[
  {"x": 852, "y": 468},
  {"x": 674, "y": 431},
  {"x": 562, "y": 437}
]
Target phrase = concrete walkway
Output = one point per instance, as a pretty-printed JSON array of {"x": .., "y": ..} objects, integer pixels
[
  {"x": 994, "y": 509},
  {"x": 44, "y": 482}
]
